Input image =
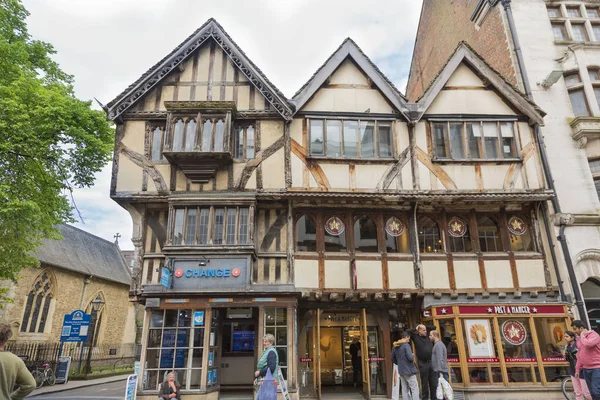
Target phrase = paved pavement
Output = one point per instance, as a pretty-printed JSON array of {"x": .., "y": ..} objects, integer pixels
[{"x": 93, "y": 389}]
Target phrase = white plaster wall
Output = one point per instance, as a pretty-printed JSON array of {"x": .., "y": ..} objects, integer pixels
[
  {"x": 369, "y": 274},
  {"x": 401, "y": 275},
  {"x": 273, "y": 170},
  {"x": 497, "y": 273},
  {"x": 337, "y": 174},
  {"x": 493, "y": 175},
  {"x": 435, "y": 274},
  {"x": 462, "y": 175},
  {"x": 129, "y": 178},
  {"x": 466, "y": 274},
  {"x": 572, "y": 177},
  {"x": 337, "y": 274},
  {"x": 306, "y": 273},
  {"x": 469, "y": 101},
  {"x": 134, "y": 136},
  {"x": 463, "y": 76},
  {"x": 297, "y": 166},
  {"x": 367, "y": 176},
  {"x": 531, "y": 273}
]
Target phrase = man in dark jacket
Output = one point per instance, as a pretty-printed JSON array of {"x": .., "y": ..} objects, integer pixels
[
  {"x": 404, "y": 358},
  {"x": 423, "y": 348},
  {"x": 356, "y": 361}
]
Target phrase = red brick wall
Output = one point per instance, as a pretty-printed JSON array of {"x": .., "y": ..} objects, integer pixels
[{"x": 444, "y": 24}]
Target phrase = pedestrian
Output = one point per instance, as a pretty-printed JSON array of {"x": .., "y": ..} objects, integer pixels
[
  {"x": 355, "y": 353},
  {"x": 269, "y": 359},
  {"x": 404, "y": 358},
  {"x": 579, "y": 385},
  {"x": 169, "y": 389},
  {"x": 423, "y": 348},
  {"x": 16, "y": 381},
  {"x": 439, "y": 359},
  {"x": 588, "y": 357}
]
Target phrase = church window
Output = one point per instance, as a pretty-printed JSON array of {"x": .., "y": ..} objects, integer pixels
[
  {"x": 96, "y": 313},
  {"x": 38, "y": 304}
]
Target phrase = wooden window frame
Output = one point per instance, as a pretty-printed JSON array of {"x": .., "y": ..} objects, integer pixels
[
  {"x": 211, "y": 225},
  {"x": 359, "y": 156},
  {"x": 161, "y": 157},
  {"x": 480, "y": 141},
  {"x": 244, "y": 127},
  {"x": 441, "y": 235}
]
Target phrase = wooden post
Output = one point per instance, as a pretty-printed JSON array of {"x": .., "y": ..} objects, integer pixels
[
  {"x": 500, "y": 351},
  {"x": 206, "y": 345},
  {"x": 538, "y": 352}
]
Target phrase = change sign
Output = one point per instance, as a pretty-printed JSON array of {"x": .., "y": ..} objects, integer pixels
[{"x": 75, "y": 327}]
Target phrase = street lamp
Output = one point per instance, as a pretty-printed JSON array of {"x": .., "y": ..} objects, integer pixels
[{"x": 97, "y": 304}]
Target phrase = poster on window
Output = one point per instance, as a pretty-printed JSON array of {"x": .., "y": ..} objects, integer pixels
[{"x": 479, "y": 338}]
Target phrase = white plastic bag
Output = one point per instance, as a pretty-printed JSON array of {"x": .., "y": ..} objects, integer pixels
[
  {"x": 448, "y": 393},
  {"x": 439, "y": 393}
]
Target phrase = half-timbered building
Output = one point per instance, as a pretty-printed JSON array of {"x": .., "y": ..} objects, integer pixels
[{"x": 344, "y": 212}]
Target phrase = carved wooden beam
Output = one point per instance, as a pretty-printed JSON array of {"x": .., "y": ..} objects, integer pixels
[
  {"x": 392, "y": 296},
  {"x": 394, "y": 170},
  {"x": 314, "y": 168},
  {"x": 318, "y": 295},
  {"x": 378, "y": 296},
  {"x": 305, "y": 295},
  {"x": 349, "y": 296},
  {"x": 333, "y": 296},
  {"x": 145, "y": 164},
  {"x": 437, "y": 170},
  {"x": 513, "y": 171},
  {"x": 260, "y": 157},
  {"x": 406, "y": 296},
  {"x": 362, "y": 296}
]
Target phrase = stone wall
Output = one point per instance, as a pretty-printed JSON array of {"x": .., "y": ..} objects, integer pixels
[{"x": 118, "y": 320}]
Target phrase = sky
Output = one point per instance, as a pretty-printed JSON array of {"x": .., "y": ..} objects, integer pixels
[{"x": 108, "y": 44}]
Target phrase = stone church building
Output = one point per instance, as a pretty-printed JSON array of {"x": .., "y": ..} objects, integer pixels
[{"x": 73, "y": 272}]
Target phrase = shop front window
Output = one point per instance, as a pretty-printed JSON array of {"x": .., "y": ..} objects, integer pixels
[
  {"x": 174, "y": 345},
  {"x": 276, "y": 325},
  {"x": 519, "y": 351},
  {"x": 551, "y": 332},
  {"x": 448, "y": 337},
  {"x": 484, "y": 367}
]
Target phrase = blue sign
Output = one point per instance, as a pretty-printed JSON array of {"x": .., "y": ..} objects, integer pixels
[
  {"x": 75, "y": 327},
  {"x": 131, "y": 388},
  {"x": 165, "y": 278},
  {"x": 198, "y": 318},
  {"x": 136, "y": 368},
  {"x": 170, "y": 339}
]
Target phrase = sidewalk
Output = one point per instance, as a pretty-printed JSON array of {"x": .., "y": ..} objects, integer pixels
[{"x": 76, "y": 384}]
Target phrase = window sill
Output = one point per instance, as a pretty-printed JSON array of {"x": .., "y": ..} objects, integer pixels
[
  {"x": 343, "y": 160},
  {"x": 572, "y": 42},
  {"x": 477, "y": 160}
]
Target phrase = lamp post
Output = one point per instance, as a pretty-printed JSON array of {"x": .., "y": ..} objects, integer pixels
[{"x": 97, "y": 304}]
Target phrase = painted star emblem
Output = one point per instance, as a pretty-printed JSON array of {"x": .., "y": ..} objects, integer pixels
[
  {"x": 534, "y": 309},
  {"x": 489, "y": 310},
  {"x": 514, "y": 332},
  {"x": 444, "y": 311}
]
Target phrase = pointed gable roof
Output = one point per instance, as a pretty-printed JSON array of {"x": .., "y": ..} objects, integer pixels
[
  {"x": 210, "y": 29},
  {"x": 349, "y": 48},
  {"x": 465, "y": 54}
]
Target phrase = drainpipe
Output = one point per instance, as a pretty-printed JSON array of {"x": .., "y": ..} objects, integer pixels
[
  {"x": 555, "y": 204},
  {"x": 86, "y": 282}
]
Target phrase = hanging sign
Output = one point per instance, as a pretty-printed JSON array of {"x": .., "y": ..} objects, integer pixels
[
  {"x": 457, "y": 227},
  {"x": 514, "y": 332},
  {"x": 165, "y": 277},
  {"x": 517, "y": 226},
  {"x": 335, "y": 226},
  {"x": 394, "y": 227}
]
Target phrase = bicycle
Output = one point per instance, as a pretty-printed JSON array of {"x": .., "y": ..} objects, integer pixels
[
  {"x": 43, "y": 376},
  {"x": 567, "y": 388}
]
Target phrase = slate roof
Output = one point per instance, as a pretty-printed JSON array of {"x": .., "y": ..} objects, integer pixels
[
  {"x": 161, "y": 69},
  {"x": 84, "y": 253}
]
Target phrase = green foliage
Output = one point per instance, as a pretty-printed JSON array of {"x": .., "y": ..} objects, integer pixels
[{"x": 50, "y": 142}]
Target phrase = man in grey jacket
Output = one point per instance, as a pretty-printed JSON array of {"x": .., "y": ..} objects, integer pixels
[
  {"x": 404, "y": 358},
  {"x": 439, "y": 358}
]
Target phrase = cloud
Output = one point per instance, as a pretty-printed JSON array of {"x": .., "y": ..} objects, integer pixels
[{"x": 108, "y": 44}]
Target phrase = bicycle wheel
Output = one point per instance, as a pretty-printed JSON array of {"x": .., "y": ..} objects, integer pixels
[
  {"x": 39, "y": 378},
  {"x": 567, "y": 388},
  {"x": 49, "y": 376}
]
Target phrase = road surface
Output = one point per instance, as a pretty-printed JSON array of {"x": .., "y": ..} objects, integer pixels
[{"x": 107, "y": 391}]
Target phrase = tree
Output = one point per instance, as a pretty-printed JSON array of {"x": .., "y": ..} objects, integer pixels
[{"x": 50, "y": 142}]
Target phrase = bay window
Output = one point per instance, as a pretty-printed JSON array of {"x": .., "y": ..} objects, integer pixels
[{"x": 210, "y": 226}]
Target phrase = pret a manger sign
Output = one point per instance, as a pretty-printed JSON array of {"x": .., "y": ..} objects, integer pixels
[{"x": 512, "y": 310}]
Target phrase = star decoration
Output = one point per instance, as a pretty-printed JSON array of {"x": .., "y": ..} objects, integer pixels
[
  {"x": 444, "y": 311},
  {"x": 489, "y": 310},
  {"x": 534, "y": 310},
  {"x": 513, "y": 332},
  {"x": 456, "y": 227}
]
